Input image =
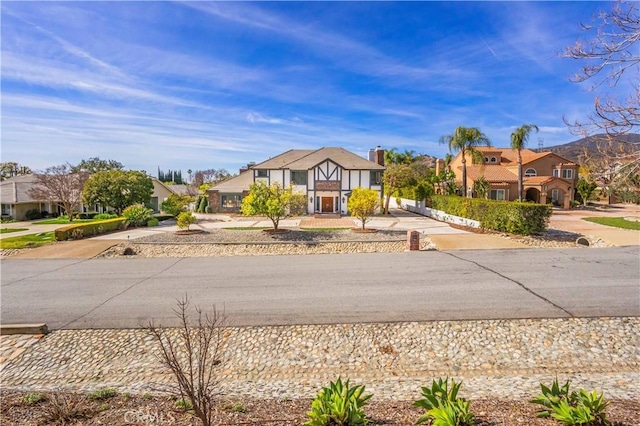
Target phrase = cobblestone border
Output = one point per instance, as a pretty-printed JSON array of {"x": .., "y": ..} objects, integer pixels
[{"x": 392, "y": 358}]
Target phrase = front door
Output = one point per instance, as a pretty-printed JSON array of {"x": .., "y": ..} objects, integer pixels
[{"x": 327, "y": 204}]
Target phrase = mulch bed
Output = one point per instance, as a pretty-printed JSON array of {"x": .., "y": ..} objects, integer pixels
[{"x": 140, "y": 410}]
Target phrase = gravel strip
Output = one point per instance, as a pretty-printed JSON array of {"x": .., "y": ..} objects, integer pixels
[{"x": 505, "y": 358}]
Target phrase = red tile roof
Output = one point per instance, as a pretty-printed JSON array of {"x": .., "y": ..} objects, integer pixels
[{"x": 491, "y": 172}]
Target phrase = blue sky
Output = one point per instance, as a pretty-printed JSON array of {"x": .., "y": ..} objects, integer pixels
[{"x": 218, "y": 84}]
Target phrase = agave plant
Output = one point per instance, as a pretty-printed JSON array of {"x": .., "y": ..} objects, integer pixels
[
  {"x": 571, "y": 408},
  {"x": 442, "y": 405},
  {"x": 339, "y": 404}
]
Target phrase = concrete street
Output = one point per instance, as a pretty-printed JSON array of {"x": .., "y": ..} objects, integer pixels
[{"x": 268, "y": 290}]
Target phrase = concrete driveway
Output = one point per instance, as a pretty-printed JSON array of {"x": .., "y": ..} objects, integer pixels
[{"x": 572, "y": 221}]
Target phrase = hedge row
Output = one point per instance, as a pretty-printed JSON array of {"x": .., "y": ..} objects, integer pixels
[
  {"x": 81, "y": 230},
  {"x": 506, "y": 216}
]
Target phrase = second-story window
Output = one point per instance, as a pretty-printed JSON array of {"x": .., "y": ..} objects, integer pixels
[
  {"x": 376, "y": 177},
  {"x": 567, "y": 174},
  {"x": 262, "y": 173},
  {"x": 530, "y": 173},
  {"x": 299, "y": 177}
]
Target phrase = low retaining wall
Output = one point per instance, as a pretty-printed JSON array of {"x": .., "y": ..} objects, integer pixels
[{"x": 419, "y": 208}]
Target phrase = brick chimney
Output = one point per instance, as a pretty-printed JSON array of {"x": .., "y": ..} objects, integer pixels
[{"x": 379, "y": 156}]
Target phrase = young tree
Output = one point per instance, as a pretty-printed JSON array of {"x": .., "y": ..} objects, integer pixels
[
  {"x": 195, "y": 353},
  {"x": 11, "y": 169},
  {"x": 396, "y": 176},
  {"x": 185, "y": 219},
  {"x": 465, "y": 140},
  {"x": 95, "y": 164},
  {"x": 519, "y": 140},
  {"x": 585, "y": 188},
  {"x": 58, "y": 184},
  {"x": 118, "y": 189},
  {"x": 363, "y": 204},
  {"x": 272, "y": 201}
]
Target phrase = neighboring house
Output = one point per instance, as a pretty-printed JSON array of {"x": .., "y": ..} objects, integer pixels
[
  {"x": 161, "y": 192},
  {"x": 547, "y": 177},
  {"x": 326, "y": 176},
  {"x": 16, "y": 201}
]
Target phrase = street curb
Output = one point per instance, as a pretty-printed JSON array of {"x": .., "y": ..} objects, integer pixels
[{"x": 7, "y": 329}]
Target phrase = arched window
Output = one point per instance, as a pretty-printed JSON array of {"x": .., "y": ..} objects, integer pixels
[
  {"x": 530, "y": 173},
  {"x": 486, "y": 159},
  {"x": 494, "y": 159}
]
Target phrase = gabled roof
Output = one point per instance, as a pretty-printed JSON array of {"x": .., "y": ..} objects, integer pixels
[
  {"x": 236, "y": 184},
  {"x": 305, "y": 159},
  {"x": 16, "y": 189},
  {"x": 491, "y": 172},
  {"x": 282, "y": 160},
  {"x": 346, "y": 159}
]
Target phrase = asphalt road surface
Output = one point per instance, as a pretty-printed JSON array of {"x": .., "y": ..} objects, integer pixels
[{"x": 314, "y": 289}]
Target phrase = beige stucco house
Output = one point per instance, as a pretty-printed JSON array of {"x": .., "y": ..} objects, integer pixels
[
  {"x": 326, "y": 176},
  {"x": 16, "y": 201},
  {"x": 547, "y": 177}
]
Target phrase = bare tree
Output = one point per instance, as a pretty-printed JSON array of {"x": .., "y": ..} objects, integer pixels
[
  {"x": 611, "y": 165},
  {"x": 57, "y": 184},
  {"x": 194, "y": 353},
  {"x": 611, "y": 55}
]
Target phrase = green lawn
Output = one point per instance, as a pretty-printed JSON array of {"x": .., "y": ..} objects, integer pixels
[
  {"x": 8, "y": 230},
  {"x": 27, "y": 240},
  {"x": 618, "y": 222},
  {"x": 62, "y": 220}
]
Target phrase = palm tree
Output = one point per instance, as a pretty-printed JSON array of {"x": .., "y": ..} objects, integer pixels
[
  {"x": 465, "y": 140},
  {"x": 519, "y": 140}
]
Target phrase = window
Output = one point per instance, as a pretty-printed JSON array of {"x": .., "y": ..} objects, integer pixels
[
  {"x": 486, "y": 159},
  {"x": 530, "y": 173},
  {"x": 567, "y": 174},
  {"x": 6, "y": 209},
  {"x": 231, "y": 201},
  {"x": 496, "y": 194},
  {"x": 556, "y": 173},
  {"x": 299, "y": 177},
  {"x": 375, "y": 177},
  {"x": 262, "y": 173},
  {"x": 494, "y": 160}
]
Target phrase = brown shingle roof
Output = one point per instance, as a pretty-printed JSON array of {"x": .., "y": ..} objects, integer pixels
[
  {"x": 346, "y": 159},
  {"x": 280, "y": 161},
  {"x": 236, "y": 184},
  {"x": 305, "y": 159}
]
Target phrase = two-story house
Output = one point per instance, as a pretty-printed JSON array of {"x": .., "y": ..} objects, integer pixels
[
  {"x": 326, "y": 176},
  {"x": 547, "y": 177}
]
